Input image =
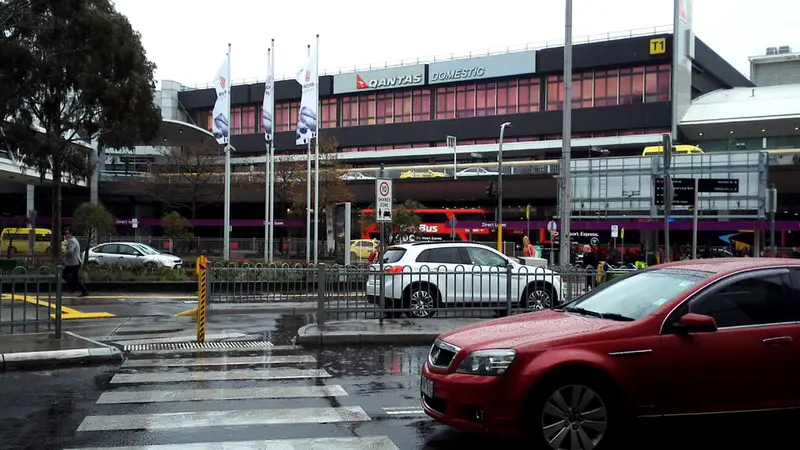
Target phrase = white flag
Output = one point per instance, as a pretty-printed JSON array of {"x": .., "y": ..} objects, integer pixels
[
  {"x": 220, "y": 120},
  {"x": 307, "y": 118},
  {"x": 268, "y": 107}
]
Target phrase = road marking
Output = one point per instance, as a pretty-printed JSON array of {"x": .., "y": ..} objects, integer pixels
[
  {"x": 262, "y": 374},
  {"x": 132, "y": 297},
  {"x": 187, "y": 338},
  {"x": 224, "y": 361},
  {"x": 349, "y": 443},
  {"x": 404, "y": 411},
  {"x": 197, "y": 395},
  {"x": 260, "y": 349},
  {"x": 231, "y": 418},
  {"x": 66, "y": 313}
]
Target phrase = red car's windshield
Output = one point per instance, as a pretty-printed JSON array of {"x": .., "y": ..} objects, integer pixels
[{"x": 640, "y": 294}]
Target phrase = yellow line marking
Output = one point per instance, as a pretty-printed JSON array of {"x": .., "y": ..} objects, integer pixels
[
  {"x": 133, "y": 297},
  {"x": 191, "y": 312},
  {"x": 66, "y": 312}
]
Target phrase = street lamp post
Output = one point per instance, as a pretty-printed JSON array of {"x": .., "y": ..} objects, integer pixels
[
  {"x": 566, "y": 134},
  {"x": 451, "y": 143},
  {"x": 500, "y": 187}
]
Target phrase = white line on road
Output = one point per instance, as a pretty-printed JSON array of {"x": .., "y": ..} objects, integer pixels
[
  {"x": 205, "y": 419},
  {"x": 264, "y": 374},
  {"x": 238, "y": 360},
  {"x": 350, "y": 443},
  {"x": 194, "y": 395},
  {"x": 186, "y": 338},
  {"x": 403, "y": 411},
  {"x": 260, "y": 348}
]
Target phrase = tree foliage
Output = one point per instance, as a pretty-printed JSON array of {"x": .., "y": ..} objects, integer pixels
[
  {"x": 405, "y": 220},
  {"x": 332, "y": 189},
  {"x": 73, "y": 72},
  {"x": 187, "y": 177},
  {"x": 176, "y": 229},
  {"x": 93, "y": 222}
]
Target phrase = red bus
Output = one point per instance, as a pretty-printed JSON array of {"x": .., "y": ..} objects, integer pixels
[{"x": 434, "y": 223}]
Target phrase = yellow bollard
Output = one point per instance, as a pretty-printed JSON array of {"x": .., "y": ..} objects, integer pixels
[{"x": 202, "y": 297}]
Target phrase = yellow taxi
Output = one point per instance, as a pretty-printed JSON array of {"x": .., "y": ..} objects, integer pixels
[
  {"x": 17, "y": 240},
  {"x": 426, "y": 174},
  {"x": 676, "y": 149},
  {"x": 360, "y": 249}
]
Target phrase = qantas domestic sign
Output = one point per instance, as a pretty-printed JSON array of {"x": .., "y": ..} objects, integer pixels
[{"x": 388, "y": 82}]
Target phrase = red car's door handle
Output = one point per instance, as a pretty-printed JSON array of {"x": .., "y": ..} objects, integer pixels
[{"x": 780, "y": 340}]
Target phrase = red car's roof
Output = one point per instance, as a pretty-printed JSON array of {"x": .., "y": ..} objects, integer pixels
[{"x": 728, "y": 265}]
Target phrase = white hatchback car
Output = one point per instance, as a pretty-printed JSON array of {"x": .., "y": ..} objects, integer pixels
[
  {"x": 129, "y": 253},
  {"x": 423, "y": 276}
]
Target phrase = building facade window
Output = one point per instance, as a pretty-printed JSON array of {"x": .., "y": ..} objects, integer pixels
[
  {"x": 445, "y": 103},
  {"x": 486, "y": 99},
  {"x": 366, "y": 109},
  {"x": 529, "y": 94},
  {"x": 465, "y": 100},
  {"x": 329, "y": 113},
  {"x": 625, "y": 86},
  {"x": 421, "y": 105},
  {"x": 384, "y": 110},
  {"x": 507, "y": 97},
  {"x": 286, "y": 115},
  {"x": 402, "y": 106}
]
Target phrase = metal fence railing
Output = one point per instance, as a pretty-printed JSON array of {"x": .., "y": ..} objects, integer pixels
[
  {"x": 30, "y": 300},
  {"x": 362, "y": 292}
]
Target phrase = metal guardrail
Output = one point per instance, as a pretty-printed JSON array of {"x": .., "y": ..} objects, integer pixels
[
  {"x": 602, "y": 37},
  {"x": 363, "y": 292},
  {"x": 30, "y": 300}
]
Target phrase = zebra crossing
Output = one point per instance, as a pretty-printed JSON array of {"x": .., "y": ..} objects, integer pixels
[{"x": 276, "y": 398}]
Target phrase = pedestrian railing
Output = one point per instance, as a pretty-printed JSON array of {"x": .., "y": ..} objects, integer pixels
[
  {"x": 30, "y": 300},
  {"x": 365, "y": 292}
]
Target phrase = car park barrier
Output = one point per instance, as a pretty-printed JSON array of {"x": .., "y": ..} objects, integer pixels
[{"x": 30, "y": 300}]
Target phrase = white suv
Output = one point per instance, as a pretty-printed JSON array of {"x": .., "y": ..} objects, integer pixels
[{"x": 424, "y": 276}]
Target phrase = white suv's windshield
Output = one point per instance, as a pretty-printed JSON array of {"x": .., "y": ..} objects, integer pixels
[{"x": 636, "y": 296}]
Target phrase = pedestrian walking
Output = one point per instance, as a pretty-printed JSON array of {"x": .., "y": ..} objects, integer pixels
[{"x": 73, "y": 260}]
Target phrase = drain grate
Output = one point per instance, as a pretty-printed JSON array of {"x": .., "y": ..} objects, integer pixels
[{"x": 196, "y": 345}]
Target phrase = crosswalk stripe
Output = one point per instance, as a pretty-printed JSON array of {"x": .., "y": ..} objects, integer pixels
[
  {"x": 192, "y": 395},
  {"x": 349, "y": 443},
  {"x": 260, "y": 349},
  {"x": 223, "y": 418},
  {"x": 224, "y": 361},
  {"x": 176, "y": 377}
]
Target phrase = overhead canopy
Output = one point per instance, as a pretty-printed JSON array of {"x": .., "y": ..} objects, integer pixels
[
  {"x": 179, "y": 134},
  {"x": 744, "y": 113}
]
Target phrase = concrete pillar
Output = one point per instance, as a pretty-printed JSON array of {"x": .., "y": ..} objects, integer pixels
[
  {"x": 30, "y": 204},
  {"x": 95, "y": 181}
]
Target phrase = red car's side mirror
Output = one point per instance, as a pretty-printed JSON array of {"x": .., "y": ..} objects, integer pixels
[{"x": 696, "y": 323}]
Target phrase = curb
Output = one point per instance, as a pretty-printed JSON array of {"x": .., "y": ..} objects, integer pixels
[
  {"x": 320, "y": 339},
  {"x": 250, "y": 308},
  {"x": 60, "y": 358}
]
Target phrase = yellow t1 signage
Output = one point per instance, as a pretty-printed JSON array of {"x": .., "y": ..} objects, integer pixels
[{"x": 658, "y": 46}]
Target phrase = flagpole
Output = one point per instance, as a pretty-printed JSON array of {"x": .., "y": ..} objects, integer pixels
[
  {"x": 226, "y": 252},
  {"x": 317, "y": 218},
  {"x": 267, "y": 171},
  {"x": 271, "y": 156},
  {"x": 308, "y": 194}
]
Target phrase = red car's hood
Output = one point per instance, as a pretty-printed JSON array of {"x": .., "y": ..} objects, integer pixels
[{"x": 510, "y": 332}]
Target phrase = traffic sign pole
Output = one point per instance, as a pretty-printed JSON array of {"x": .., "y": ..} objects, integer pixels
[{"x": 694, "y": 216}]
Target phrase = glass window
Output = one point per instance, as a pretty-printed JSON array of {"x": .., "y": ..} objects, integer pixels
[
  {"x": 402, "y": 106},
  {"x": 384, "y": 108},
  {"x": 123, "y": 249},
  {"x": 529, "y": 95},
  {"x": 465, "y": 100},
  {"x": 329, "y": 113},
  {"x": 236, "y": 121},
  {"x": 444, "y": 255},
  {"x": 421, "y": 105},
  {"x": 485, "y": 257},
  {"x": 445, "y": 103},
  {"x": 350, "y": 111},
  {"x": 639, "y": 295},
  {"x": 555, "y": 93},
  {"x": 248, "y": 120},
  {"x": 486, "y": 99},
  {"x": 366, "y": 109},
  {"x": 507, "y": 97},
  {"x": 286, "y": 114},
  {"x": 393, "y": 255},
  {"x": 755, "y": 300}
]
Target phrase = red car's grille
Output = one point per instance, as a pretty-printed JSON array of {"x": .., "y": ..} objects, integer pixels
[{"x": 442, "y": 354}]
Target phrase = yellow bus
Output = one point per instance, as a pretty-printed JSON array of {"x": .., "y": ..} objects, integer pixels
[
  {"x": 677, "y": 149},
  {"x": 16, "y": 240}
]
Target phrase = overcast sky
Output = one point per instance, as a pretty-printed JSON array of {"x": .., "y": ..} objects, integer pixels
[{"x": 188, "y": 39}]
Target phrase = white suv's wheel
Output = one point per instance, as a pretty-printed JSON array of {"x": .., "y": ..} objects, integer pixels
[
  {"x": 538, "y": 296},
  {"x": 421, "y": 301}
]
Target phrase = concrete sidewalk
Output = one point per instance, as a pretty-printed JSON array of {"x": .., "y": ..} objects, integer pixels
[
  {"x": 27, "y": 351},
  {"x": 393, "y": 331}
]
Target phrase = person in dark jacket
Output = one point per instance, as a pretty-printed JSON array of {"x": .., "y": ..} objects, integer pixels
[{"x": 590, "y": 263}]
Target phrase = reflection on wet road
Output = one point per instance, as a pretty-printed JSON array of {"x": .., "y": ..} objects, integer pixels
[{"x": 281, "y": 398}]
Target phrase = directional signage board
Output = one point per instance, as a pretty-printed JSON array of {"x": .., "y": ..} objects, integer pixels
[
  {"x": 383, "y": 200},
  {"x": 683, "y": 189}
]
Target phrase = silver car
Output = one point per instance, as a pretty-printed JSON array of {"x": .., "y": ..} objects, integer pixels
[
  {"x": 131, "y": 253},
  {"x": 476, "y": 172}
]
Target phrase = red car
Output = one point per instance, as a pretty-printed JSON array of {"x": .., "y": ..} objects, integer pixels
[{"x": 691, "y": 337}]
